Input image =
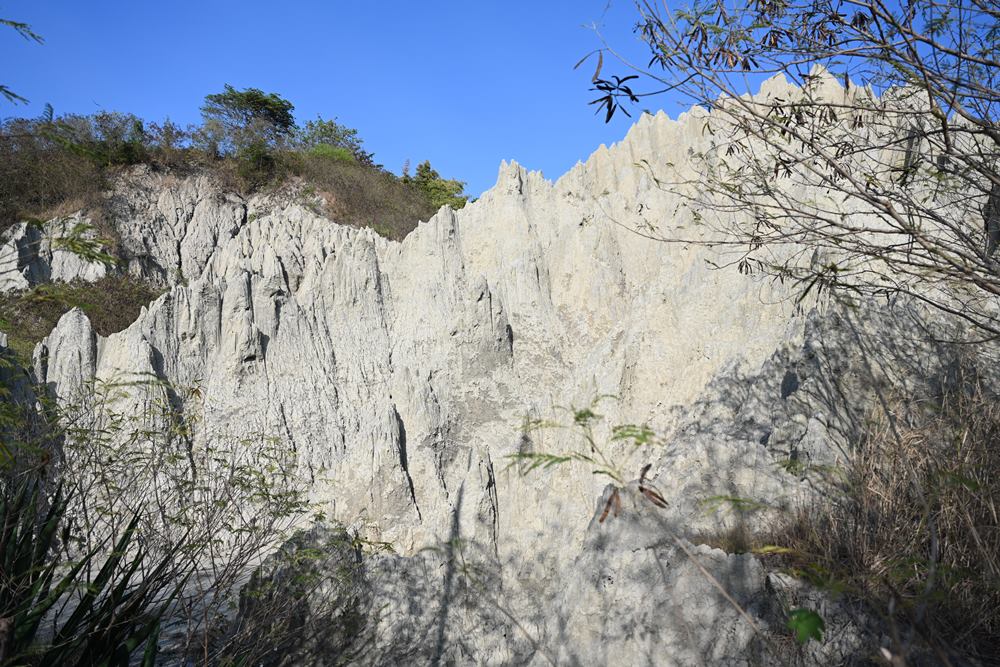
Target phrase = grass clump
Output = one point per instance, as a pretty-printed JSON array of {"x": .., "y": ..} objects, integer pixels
[
  {"x": 112, "y": 304},
  {"x": 912, "y": 529},
  {"x": 356, "y": 194},
  {"x": 337, "y": 153}
]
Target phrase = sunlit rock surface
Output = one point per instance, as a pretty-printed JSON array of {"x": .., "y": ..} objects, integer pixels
[
  {"x": 402, "y": 373},
  {"x": 32, "y": 254}
]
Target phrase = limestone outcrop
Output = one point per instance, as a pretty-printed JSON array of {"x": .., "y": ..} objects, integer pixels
[
  {"x": 402, "y": 374},
  {"x": 31, "y": 254}
]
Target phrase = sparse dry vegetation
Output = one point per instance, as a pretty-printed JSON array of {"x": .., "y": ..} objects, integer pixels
[
  {"x": 111, "y": 303},
  {"x": 912, "y": 528},
  {"x": 38, "y": 179},
  {"x": 359, "y": 195},
  {"x": 57, "y": 165}
]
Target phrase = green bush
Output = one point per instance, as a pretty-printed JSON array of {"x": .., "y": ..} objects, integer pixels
[
  {"x": 256, "y": 166},
  {"x": 319, "y": 132},
  {"x": 439, "y": 191},
  {"x": 328, "y": 152}
]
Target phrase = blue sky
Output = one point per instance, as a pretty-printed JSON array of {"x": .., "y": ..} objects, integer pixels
[{"x": 463, "y": 84}]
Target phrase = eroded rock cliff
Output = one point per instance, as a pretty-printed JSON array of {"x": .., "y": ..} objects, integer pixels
[{"x": 401, "y": 374}]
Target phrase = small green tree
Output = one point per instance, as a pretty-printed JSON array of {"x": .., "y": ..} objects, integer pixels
[
  {"x": 439, "y": 191},
  {"x": 237, "y": 119},
  {"x": 255, "y": 165},
  {"x": 322, "y": 137}
]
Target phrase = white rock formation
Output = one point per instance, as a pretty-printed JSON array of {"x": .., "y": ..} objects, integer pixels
[
  {"x": 398, "y": 365},
  {"x": 401, "y": 374},
  {"x": 32, "y": 254}
]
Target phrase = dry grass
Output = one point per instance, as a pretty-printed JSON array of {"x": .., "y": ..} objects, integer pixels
[
  {"x": 64, "y": 208},
  {"x": 362, "y": 196},
  {"x": 41, "y": 183},
  {"x": 41, "y": 178},
  {"x": 912, "y": 529},
  {"x": 737, "y": 539},
  {"x": 112, "y": 304}
]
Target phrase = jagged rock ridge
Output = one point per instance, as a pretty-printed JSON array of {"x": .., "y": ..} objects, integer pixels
[{"x": 401, "y": 373}]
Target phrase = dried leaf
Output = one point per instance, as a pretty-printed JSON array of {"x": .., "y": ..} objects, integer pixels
[
  {"x": 642, "y": 475},
  {"x": 604, "y": 514},
  {"x": 653, "y": 496}
]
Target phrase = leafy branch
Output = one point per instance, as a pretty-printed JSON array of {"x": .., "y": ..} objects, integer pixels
[{"x": 25, "y": 31}]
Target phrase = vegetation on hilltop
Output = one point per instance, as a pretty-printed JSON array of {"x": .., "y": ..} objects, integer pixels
[{"x": 248, "y": 139}]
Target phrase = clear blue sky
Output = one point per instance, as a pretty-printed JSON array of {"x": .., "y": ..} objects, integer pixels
[{"x": 463, "y": 84}]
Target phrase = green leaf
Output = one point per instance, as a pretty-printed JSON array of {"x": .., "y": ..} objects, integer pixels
[
  {"x": 714, "y": 503},
  {"x": 23, "y": 29},
  {"x": 535, "y": 460},
  {"x": 773, "y": 549},
  {"x": 640, "y": 435},
  {"x": 93, "y": 591},
  {"x": 585, "y": 417},
  {"x": 806, "y": 624}
]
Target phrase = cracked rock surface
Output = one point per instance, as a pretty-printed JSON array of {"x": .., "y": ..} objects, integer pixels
[{"x": 401, "y": 374}]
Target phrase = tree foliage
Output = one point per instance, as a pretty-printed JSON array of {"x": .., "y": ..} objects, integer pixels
[
  {"x": 439, "y": 191},
  {"x": 240, "y": 118},
  {"x": 324, "y": 137},
  {"x": 25, "y": 31},
  {"x": 878, "y": 177}
]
